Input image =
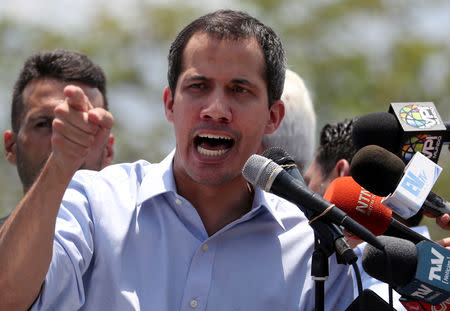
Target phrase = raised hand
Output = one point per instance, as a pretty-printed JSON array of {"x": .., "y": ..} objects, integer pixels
[{"x": 78, "y": 128}]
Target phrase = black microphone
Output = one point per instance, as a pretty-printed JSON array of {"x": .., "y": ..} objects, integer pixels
[
  {"x": 408, "y": 128},
  {"x": 324, "y": 231},
  {"x": 416, "y": 271},
  {"x": 269, "y": 176},
  {"x": 380, "y": 172},
  {"x": 284, "y": 159}
]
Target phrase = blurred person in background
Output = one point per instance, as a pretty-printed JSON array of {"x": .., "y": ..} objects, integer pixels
[
  {"x": 296, "y": 133},
  {"x": 37, "y": 91},
  {"x": 333, "y": 156}
]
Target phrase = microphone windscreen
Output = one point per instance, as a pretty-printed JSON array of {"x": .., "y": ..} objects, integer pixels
[
  {"x": 401, "y": 267},
  {"x": 378, "y": 128},
  {"x": 359, "y": 204},
  {"x": 377, "y": 169}
]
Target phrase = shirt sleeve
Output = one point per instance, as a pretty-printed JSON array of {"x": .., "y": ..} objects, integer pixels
[{"x": 73, "y": 248}]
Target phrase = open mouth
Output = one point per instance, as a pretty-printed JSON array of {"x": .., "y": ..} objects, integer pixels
[{"x": 213, "y": 145}]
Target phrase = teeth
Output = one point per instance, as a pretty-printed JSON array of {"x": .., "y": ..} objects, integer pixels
[
  {"x": 211, "y": 153},
  {"x": 214, "y": 136}
]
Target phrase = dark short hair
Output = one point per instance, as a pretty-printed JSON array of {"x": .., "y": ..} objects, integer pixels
[
  {"x": 62, "y": 65},
  {"x": 335, "y": 144},
  {"x": 233, "y": 25}
]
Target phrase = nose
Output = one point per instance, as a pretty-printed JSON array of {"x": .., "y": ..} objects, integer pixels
[{"x": 217, "y": 108}]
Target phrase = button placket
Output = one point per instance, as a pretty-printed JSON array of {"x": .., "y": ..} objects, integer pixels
[
  {"x": 199, "y": 277},
  {"x": 193, "y": 303}
]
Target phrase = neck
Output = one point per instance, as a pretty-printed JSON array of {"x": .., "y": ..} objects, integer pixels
[{"x": 220, "y": 205}]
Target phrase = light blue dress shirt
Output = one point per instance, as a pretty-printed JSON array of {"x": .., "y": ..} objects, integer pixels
[{"x": 125, "y": 240}]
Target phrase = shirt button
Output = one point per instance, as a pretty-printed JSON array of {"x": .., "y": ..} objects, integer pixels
[
  {"x": 193, "y": 303},
  {"x": 178, "y": 201},
  {"x": 205, "y": 247}
]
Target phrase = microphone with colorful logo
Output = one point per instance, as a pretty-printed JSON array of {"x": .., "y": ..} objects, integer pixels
[{"x": 406, "y": 129}]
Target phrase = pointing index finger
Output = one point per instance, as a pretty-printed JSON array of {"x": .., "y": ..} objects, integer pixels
[
  {"x": 76, "y": 98},
  {"x": 101, "y": 117}
]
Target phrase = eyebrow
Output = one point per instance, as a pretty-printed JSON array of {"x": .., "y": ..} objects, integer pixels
[
  {"x": 236, "y": 80},
  {"x": 196, "y": 78},
  {"x": 244, "y": 82},
  {"x": 40, "y": 116}
]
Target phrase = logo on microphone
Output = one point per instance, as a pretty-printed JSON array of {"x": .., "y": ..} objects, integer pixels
[
  {"x": 422, "y": 292},
  {"x": 415, "y": 305},
  {"x": 426, "y": 144},
  {"x": 436, "y": 265},
  {"x": 431, "y": 281},
  {"x": 366, "y": 202},
  {"x": 421, "y": 117},
  {"x": 414, "y": 183}
]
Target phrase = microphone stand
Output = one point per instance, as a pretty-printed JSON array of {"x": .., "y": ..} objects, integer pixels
[{"x": 328, "y": 238}]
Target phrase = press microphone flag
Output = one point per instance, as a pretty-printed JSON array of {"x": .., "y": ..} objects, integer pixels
[
  {"x": 418, "y": 179},
  {"x": 406, "y": 129},
  {"x": 420, "y": 272},
  {"x": 423, "y": 129},
  {"x": 382, "y": 172},
  {"x": 431, "y": 282}
]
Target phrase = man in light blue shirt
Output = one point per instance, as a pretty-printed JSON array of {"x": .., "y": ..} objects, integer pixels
[{"x": 188, "y": 233}]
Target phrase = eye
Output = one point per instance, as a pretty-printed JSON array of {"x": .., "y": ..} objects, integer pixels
[
  {"x": 197, "y": 86},
  {"x": 44, "y": 124},
  {"x": 239, "y": 89}
]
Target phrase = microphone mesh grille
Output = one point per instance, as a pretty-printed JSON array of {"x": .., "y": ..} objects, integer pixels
[{"x": 258, "y": 170}]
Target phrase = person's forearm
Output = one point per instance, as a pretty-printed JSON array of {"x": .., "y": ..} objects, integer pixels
[{"x": 26, "y": 239}]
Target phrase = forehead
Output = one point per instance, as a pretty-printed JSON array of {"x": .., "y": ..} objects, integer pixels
[
  {"x": 50, "y": 92},
  {"x": 214, "y": 56}
]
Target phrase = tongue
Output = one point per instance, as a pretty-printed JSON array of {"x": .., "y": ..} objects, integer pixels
[{"x": 213, "y": 145}]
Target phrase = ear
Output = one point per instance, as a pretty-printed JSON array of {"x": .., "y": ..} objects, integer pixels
[
  {"x": 108, "y": 155},
  {"x": 10, "y": 146},
  {"x": 276, "y": 116},
  {"x": 342, "y": 168},
  {"x": 168, "y": 103}
]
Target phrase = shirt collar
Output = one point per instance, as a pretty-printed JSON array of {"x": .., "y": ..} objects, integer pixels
[
  {"x": 271, "y": 203},
  {"x": 159, "y": 179}
]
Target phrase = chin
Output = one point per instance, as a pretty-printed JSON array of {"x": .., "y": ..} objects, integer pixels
[{"x": 212, "y": 178}]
